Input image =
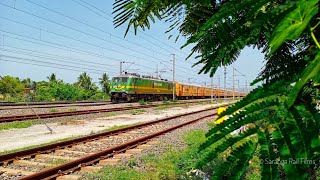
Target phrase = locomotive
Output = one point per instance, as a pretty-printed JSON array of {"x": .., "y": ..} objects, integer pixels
[{"x": 131, "y": 87}]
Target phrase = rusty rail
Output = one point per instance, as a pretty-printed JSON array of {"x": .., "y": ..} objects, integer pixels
[
  {"x": 94, "y": 158},
  {"x": 50, "y": 147},
  {"x": 81, "y": 112},
  {"x": 54, "y": 105}
]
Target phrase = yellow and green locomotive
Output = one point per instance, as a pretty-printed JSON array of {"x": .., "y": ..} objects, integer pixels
[{"x": 133, "y": 87}]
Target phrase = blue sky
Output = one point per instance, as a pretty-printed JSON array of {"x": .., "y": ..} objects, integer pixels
[{"x": 74, "y": 39}]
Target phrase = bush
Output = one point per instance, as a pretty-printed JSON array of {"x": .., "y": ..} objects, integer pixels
[{"x": 142, "y": 102}]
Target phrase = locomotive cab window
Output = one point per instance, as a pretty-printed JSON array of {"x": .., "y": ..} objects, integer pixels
[{"x": 119, "y": 79}]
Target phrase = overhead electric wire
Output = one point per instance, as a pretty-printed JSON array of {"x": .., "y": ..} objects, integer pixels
[
  {"x": 54, "y": 59},
  {"x": 72, "y": 29},
  {"x": 68, "y": 48},
  {"x": 55, "y": 67},
  {"x": 76, "y": 40},
  {"x": 63, "y": 57},
  {"x": 80, "y": 31},
  {"x": 98, "y": 29},
  {"x": 60, "y": 25},
  {"x": 45, "y": 62},
  {"x": 67, "y": 37},
  {"x": 73, "y": 58},
  {"x": 129, "y": 30}
]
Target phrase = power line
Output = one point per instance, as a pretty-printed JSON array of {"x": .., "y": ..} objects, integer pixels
[
  {"x": 75, "y": 39},
  {"x": 63, "y": 57},
  {"x": 45, "y": 62},
  {"x": 73, "y": 49},
  {"x": 63, "y": 26},
  {"x": 124, "y": 28},
  {"x": 74, "y": 29},
  {"x": 84, "y": 23},
  {"x": 55, "y": 67}
]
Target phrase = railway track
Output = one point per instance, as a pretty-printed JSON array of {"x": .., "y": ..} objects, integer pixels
[
  {"x": 54, "y": 105},
  {"x": 4, "y": 119},
  {"x": 47, "y": 103},
  {"x": 93, "y": 151}
]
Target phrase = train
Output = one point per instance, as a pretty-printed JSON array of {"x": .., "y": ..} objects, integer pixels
[{"x": 132, "y": 87}]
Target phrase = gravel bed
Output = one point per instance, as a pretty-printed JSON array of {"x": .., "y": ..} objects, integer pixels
[
  {"x": 6, "y": 176},
  {"x": 75, "y": 126},
  {"x": 173, "y": 139},
  {"x": 70, "y": 108},
  {"x": 96, "y": 146},
  {"x": 116, "y": 140},
  {"x": 167, "y": 141}
]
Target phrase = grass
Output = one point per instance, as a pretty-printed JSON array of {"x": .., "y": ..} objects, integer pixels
[
  {"x": 72, "y": 109},
  {"x": 136, "y": 111},
  {"x": 17, "y": 124},
  {"x": 173, "y": 164},
  {"x": 142, "y": 102},
  {"x": 115, "y": 127},
  {"x": 171, "y": 106},
  {"x": 56, "y": 162},
  {"x": 108, "y": 114},
  {"x": 54, "y": 110}
]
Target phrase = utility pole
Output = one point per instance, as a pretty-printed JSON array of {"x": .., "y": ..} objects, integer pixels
[
  {"x": 157, "y": 72},
  {"x": 233, "y": 84},
  {"x": 246, "y": 87},
  {"x": 121, "y": 67},
  {"x": 238, "y": 89},
  {"x": 173, "y": 76},
  {"x": 212, "y": 89},
  {"x": 225, "y": 81},
  {"x": 219, "y": 82}
]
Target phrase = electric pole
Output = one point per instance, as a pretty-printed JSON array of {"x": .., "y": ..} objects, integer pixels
[
  {"x": 219, "y": 82},
  {"x": 246, "y": 91},
  {"x": 121, "y": 67},
  {"x": 238, "y": 89},
  {"x": 233, "y": 84},
  {"x": 225, "y": 81},
  {"x": 212, "y": 89},
  {"x": 157, "y": 72},
  {"x": 173, "y": 76}
]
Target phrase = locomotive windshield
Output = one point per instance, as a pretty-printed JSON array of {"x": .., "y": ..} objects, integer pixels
[{"x": 119, "y": 79}]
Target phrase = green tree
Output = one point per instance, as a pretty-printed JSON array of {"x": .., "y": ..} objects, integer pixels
[
  {"x": 84, "y": 81},
  {"x": 10, "y": 85},
  {"x": 26, "y": 82},
  {"x": 281, "y": 113},
  {"x": 52, "y": 78},
  {"x": 105, "y": 83}
]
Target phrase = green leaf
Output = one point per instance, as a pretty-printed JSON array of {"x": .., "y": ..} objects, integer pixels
[
  {"x": 294, "y": 23},
  {"x": 311, "y": 71}
]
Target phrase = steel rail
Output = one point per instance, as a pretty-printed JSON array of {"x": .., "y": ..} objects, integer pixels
[
  {"x": 80, "y": 112},
  {"x": 54, "y": 106},
  {"x": 94, "y": 158},
  {"x": 51, "y": 147},
  {"x": 48, "y": 103}
]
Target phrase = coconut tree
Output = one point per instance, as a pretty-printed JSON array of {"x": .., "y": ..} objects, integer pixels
[
  {"x": 52, "y": 78},
  {"x": 84, "y": 81},
  {"x": 105, "y": 83},
  {"x": 26, "y": 82}
]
